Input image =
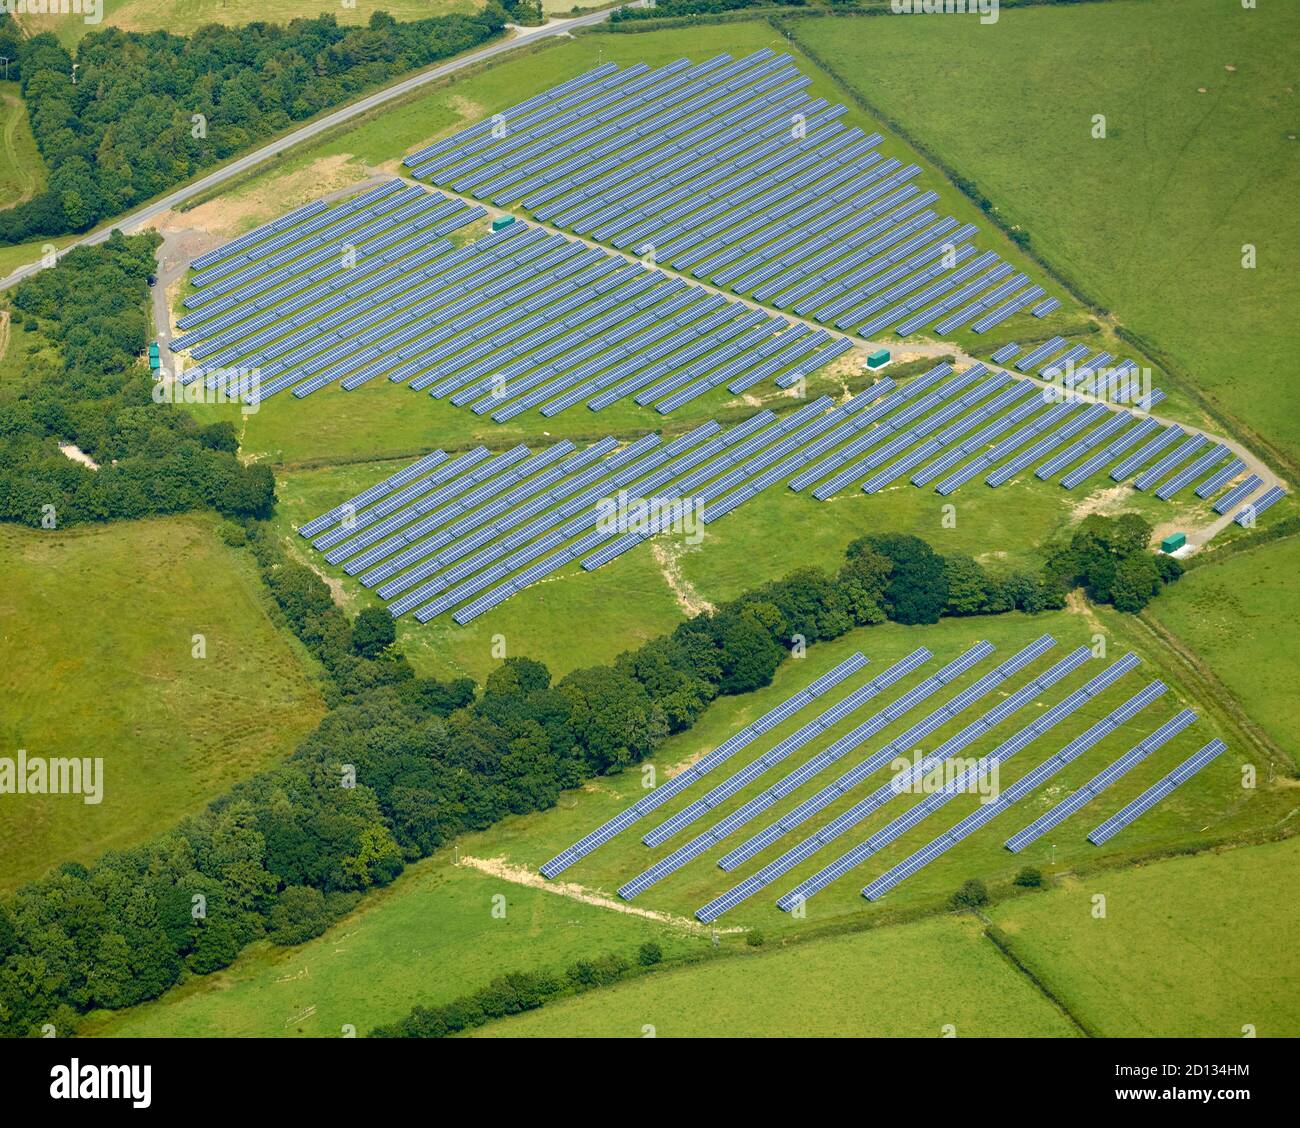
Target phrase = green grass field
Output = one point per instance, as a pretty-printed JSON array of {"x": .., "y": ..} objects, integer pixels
[
  {"x": 1199, "y": 99},
  {"x": 22, "y": 170},
  {"x": 184, "y": 17},
  {"x": 926, "y": 980},
  {"x": 1239, "y": 616},
  {"x": 98, "y": 624},
  {"x": 426, "y": 939},
  {"x": 1190, "y": 948}
]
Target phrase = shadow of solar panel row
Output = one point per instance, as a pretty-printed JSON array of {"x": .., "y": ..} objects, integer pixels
[
  {"x": 1269, "y": 498},
  {"x": 1101, "y": 781},
  {"x": 899, "y": 746},
  {"x": 700, "y": 166},
  {"x": 964, "y": 782},
  {"x": 1157, "y": 792},
  {"x": 1013, "y": 794},
  {"x": 706, "y": 764}
]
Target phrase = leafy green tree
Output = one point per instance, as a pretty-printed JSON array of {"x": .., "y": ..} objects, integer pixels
[{"x": 373, "y": 632}]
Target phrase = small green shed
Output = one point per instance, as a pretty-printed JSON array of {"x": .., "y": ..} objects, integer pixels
[
  {"x": 1173, "y": 542},
  {"x": 878, "y": 359}
]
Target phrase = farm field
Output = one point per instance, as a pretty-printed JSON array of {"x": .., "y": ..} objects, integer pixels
[
  {"x": 184, "y": 17},
  {"x": 426, "y": 939},
  {"x": 22, "y": 170},
  {"x": 103, "y": 619},
  {"x": 1189, "y": 948},
  {"x": 882, "y": 983},
  {"x": 1197, "y": 96},
  {"x": 1239, "y": 617}
]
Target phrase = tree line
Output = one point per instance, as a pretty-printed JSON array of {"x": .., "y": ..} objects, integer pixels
[
  {"x": 148, "y": 110},
  {"x": 98, "y": 395}
]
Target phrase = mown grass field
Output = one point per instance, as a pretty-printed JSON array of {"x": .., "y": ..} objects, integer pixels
[
  {"x": 97, "y": 625},
  {"x": 184, "y": 17},
  {"x": 1239, "y": 616},
  {"x": 1200, "y": 104},
  {"x": 426, "y": 939},
  {"x": 22, "y": 170},
  {"x": 909, "y": 982},
  {"x": 1188, "y": 948}
]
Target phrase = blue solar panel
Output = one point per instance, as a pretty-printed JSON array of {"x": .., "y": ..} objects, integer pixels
[
  {"x": 1269, "y": 498},
  {"x": 1008, "y": 798},
  {"x": 899, "y": 746},
  {"x": 964, "y": 782},
  {"x": 1095, "y": 786},
  {"x": 702, "y": 767},
  {"x": 1157, "y": 792}
]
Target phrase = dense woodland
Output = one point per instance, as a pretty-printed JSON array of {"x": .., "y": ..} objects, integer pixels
[
  {"x": 127, "y": 129},
  {"x": 97, "y": 394}
]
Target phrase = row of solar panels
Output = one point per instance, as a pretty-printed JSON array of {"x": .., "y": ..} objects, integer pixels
[
  {"x": 517, "y": 320},
  {"x": 912, "y": 778},
  {"x": 470, "y": 533},
  {"x": 731, "y": 171}
]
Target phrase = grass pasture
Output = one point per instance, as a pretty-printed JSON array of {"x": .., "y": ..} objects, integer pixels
[
  {"x": 22, "y": 169},
  {"x": 907, "y": 982},
  {"x": 1239, "y": 617},
  {"x": 426, "y": 939},
  {"x": 1152, "y": 220},
  {"x": 1188, "y": 948},
  {"x": 99, "y": 625},
  {"x": 184, "y": 17}
]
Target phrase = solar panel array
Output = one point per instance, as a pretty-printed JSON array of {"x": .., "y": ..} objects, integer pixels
[
  {"x": 516, "y": 320},
  {"x": 1100, "y": 782},
  {"x": 1157, "y": 792},
  {"x": 963, "y": 782},
  {"x": 731, "y": 171},
  {"x": 702, "y": 767},
  {"x": 1009, "y": 796}
]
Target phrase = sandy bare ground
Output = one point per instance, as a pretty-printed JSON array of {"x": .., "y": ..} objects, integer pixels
[
  {"x": 518, "y": 875},
  {"x": 668, "y": 556},
  {"x": 74, "y": 452},
  {"x": 4, "y": 332}
]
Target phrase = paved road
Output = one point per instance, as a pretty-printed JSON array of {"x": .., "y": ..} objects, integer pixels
[{"x": 312, "y": 129}]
